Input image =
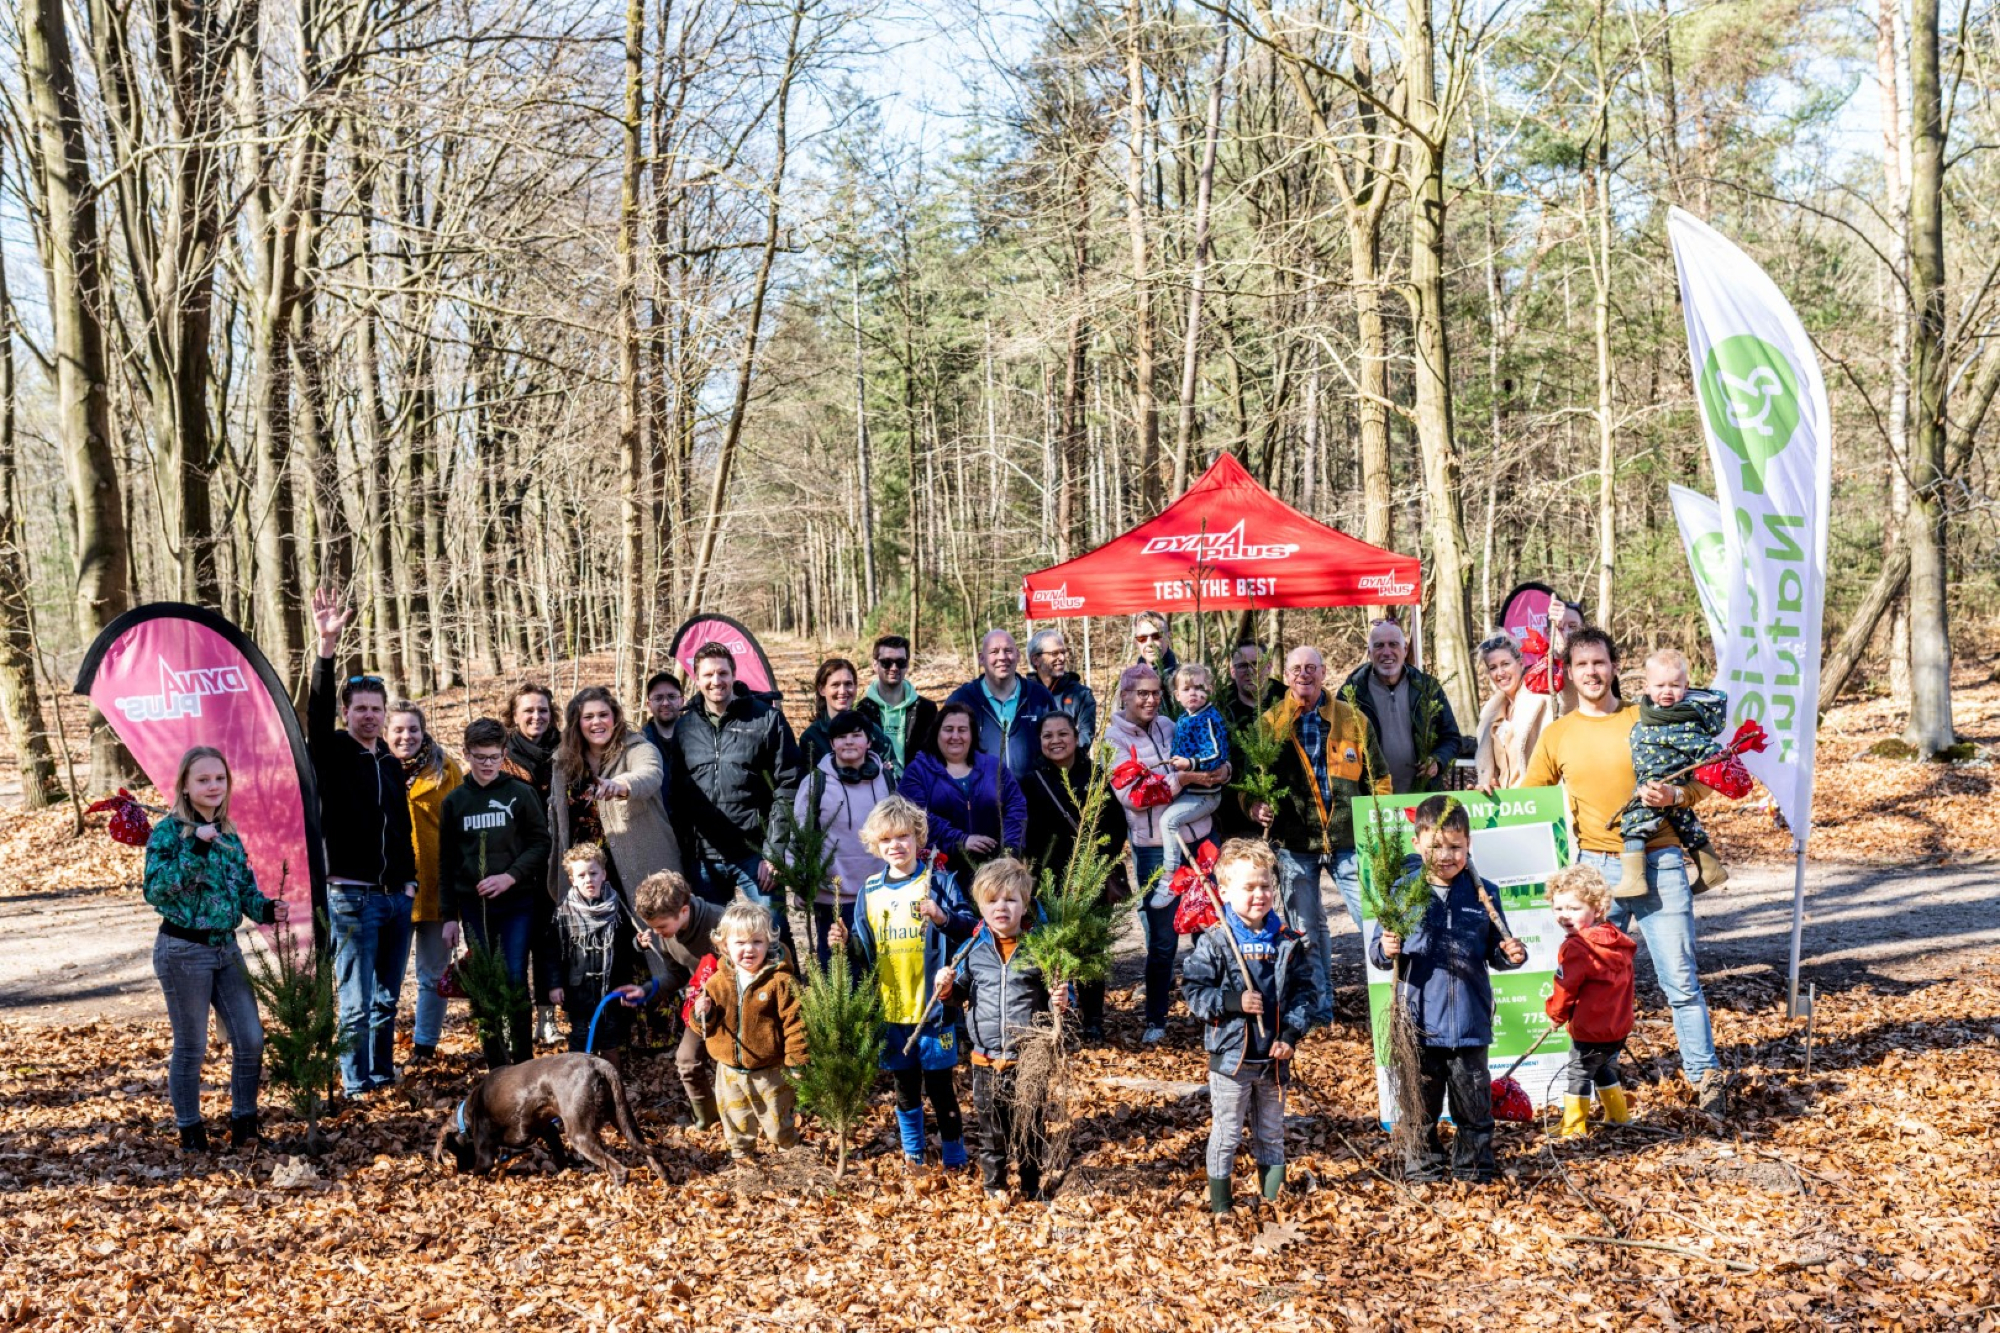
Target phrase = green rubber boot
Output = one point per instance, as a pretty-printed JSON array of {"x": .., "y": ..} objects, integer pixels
[
  {"x": 1272, "y": 1178},
  {"x": 1219, "y": 1201}
]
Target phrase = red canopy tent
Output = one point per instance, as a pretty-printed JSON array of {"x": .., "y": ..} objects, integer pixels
[{"x": 1247, "y": 547}]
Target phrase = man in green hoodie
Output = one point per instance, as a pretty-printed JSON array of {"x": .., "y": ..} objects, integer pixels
[{"x": 894, "y": 704}]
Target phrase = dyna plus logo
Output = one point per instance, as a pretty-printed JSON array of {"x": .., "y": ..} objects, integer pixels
[
  {"x": 1057, "y": 599},
  {"x": 1219, "y": 546},
  {"x": 181, "y": 692},
  {"x": 1387, "y": 584}
]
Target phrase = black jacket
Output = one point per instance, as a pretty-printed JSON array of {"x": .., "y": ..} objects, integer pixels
[
  {"x": 507, "y": 818},
  {"x": 731, "y": 783},
  {"x": 364, "y": 805},
  {"x": 1053, "y": 811},
  {"x": 922, "y": 720}
]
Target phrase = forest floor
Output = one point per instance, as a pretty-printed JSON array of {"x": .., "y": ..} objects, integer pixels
[{"x": 1857, "y": 1193}]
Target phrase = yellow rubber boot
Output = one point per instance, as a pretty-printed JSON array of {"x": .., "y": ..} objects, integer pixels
[
  {"x": 1576, "y": 1117},
  {"x": 1617, "y": 1111}
]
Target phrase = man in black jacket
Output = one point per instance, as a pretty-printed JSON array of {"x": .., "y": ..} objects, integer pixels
[
  {"x": 371, "y": 864},
  {"x": 732, "y": 775},
  {"x": 893, "y": 704}
]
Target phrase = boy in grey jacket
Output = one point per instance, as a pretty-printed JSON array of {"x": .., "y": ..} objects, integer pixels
[
  {"x": 1002, "y": 991},
  {"x": 1252, "y": 1031}
]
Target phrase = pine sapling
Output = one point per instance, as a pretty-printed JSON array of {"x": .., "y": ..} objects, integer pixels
[
  {"x": 805, "y": 863},
  {"x": 1398, "y": 902},
  {"x": 302, "y": 1038},
  {"x": 843, "y": 1021},
  {"x": 490, "y": 989},
  {"x": 1261, "y": 746}
]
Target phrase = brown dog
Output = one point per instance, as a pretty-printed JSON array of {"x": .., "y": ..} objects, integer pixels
[{"x": 545, "y": 1098}]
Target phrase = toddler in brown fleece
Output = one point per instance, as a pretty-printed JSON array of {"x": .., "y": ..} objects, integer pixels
[{"x": 748, "y": 1015}]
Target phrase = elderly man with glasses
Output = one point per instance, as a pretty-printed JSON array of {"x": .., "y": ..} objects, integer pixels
[
  {"x": 1329, "y": 758},
  {"x": 905, "y": 717},
  {"x": 1048, "y": 656},
  {"x": 1008, "y": 705}
]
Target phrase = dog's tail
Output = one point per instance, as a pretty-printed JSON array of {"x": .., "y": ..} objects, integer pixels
[{"x": 621, "y": 1111}]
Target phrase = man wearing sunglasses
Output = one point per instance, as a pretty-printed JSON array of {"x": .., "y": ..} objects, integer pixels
[
  {"x": 371, "y": 865},
  {"x": 1156, "y": 650},
  {"x": 905, "y": 716}
]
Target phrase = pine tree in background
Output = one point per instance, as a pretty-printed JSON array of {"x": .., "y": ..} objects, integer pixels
[
  {"x": 302, "y": 1039},
  {"x": 805, "y": 861},
  {"x": 843, "y": 1018}
]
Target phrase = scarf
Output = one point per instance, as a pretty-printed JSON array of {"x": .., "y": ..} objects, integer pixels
[
  {"x": 1260, "y": 942},
  {"x": 1673, "y": 715},
  {"x": 592, "y": 927},
  {"x": 533, "y": 757},
  {"x": 422, "y": 761}
]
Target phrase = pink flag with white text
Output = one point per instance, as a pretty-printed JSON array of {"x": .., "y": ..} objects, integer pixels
[{"x": 167, "y": 677}]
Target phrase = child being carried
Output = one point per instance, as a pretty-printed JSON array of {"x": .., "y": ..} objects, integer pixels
[
  {"x": 1678, "y": 728},
  {"x": 1201, "y": 745}
]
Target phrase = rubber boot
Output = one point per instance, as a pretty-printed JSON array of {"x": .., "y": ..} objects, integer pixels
[
  {"x": 1576, "y": 1117},
  {"x": 910, "y": 1126},
  {"x": 1617, "y": 1110},
  {"x": 1709, "y": 866},
  {"x": 952, "y": 1153},
  {"x": 1272, "y": 1179},
  {"x": 1219, "y": 1202},
  {"x": 194, "y": 1138},
  {"x": 1632, "y": 882}
]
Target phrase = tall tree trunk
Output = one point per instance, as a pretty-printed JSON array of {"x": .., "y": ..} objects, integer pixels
[
  {"x": 1892, "y": 41},
  {"x": 1930, "y": 726},
  {"x": 867, "y": 485},
  {"x": 632, "y": 600},
  {"x": 1198, "y": 278},
  {"x": 746, "y": 367},
  {"x": 1600, "y": 273},
  {"x": 76, "y": 295},
  {"x": 1451, "y": 639},
  {"x": 20, "y": 700},
  {"x": 1145, "y": 416}
]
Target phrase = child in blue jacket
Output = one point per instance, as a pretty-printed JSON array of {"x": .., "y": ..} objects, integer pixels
[
  {"x": 1250, "y": 1032},
  {"x": 1449, "y": 990},
  {"x": 908, "y": 919}
]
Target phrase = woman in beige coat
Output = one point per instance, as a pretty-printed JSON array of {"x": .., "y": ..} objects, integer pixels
[
  {"x": 1512, "y": 719},
  {"x": 604, "y": 787}
]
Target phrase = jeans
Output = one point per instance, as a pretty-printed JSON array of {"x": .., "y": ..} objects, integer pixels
[
  {"x": 1251, "y": 1100},
  {"x": 509, "y": 930},
  {"x": 431, "y": 955},
  {"x": 721, "y": 881},
  {"x": 1665, "y": 914},
  {"x": 1162, "y": 943},
  {"x": 1190, "y": 807},
  {"x": 195, "y": 978},
  {"x": 996, "y": 1101},
  {"x": 1305, "y": 911},
  {"x": 371, "y": 950}
]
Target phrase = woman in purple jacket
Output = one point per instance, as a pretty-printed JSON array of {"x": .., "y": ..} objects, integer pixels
[{"x": 976, "y": 808}]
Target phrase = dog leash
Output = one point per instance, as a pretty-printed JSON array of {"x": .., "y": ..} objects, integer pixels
[{"x": 590, "y": 1039}]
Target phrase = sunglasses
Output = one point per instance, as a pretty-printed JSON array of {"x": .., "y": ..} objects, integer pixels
[
  {"x": 1145, "y": 638},
  {"x": 892, "y": 663}
]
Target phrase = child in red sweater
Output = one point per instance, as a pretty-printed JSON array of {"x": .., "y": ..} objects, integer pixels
[{"x": 1593, "y": 994}]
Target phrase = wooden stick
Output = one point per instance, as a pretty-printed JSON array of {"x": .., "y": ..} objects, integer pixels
[
  {"x": 1732, "y": 1265},
  {"x": 937, "y": 996},
  {"x": 1214, "y": 897},
  {"x": 1522, "y": 1058}
]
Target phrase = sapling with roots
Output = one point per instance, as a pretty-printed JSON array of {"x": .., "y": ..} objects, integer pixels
[
  {"x": 302, "y": 1038},
  {"x": 843, "y": 1021},
  {"x": 1398, "y": 902},
  {"x": 1071, "y": 945}
]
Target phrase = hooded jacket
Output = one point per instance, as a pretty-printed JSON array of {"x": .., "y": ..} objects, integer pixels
[
  {"x": 733, "y": 781},
  {"x": 939, "y": 941},
  {"x": 1447, "y": 979},
  {"x": 1434, "y": 729},
  {"x": 507, "y": 820},
  {"x": 364, "y": 804},
  {"x": 844, "y": 798},
  {"x": 815, "y": 744},
  {"x": 995, "y": 808},
  {"x": 1016, "y": 746},
  {"x": 1593, "y": 984},
  {"x": 1001, "y": 997},
  {"x": 759, "y": 1026},
  {"x": 919, "y": 721},
  {"x": 1213, "y": 989},
  {"x": 1350, "y": 751}
]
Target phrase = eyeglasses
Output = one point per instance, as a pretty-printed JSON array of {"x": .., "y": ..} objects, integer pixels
[
  {"x": 892, "y": 663},
  {"x": 1303, "y": 669},
  {"x": 1145, "y": 638},
  {"x": 1145, "y": 694}
]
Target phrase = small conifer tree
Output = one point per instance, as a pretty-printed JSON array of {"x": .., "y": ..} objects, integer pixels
[
  {"x": 843, "y": 1021},
  {"x": 302, "y": 1038}
]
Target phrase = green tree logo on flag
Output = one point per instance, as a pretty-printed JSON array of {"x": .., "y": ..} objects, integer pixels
[{"x": 1751, "y": 397}]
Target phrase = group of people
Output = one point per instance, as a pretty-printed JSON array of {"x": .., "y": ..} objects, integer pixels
[{"x": 602, "y": 860}]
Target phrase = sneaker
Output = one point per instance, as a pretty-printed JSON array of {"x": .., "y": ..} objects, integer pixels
[
  {"x": 546, "y": 1031},
  {"x": 1153, "y": 1036},
  {"x": 998, "y": 1196},
  {"x": 1711, "y": 1095}
]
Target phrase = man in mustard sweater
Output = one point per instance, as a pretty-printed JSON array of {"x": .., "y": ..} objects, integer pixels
[{"x": 1590, "y": 749}]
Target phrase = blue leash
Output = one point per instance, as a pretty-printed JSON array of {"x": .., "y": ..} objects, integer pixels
[{"x": 590, "y": 1039}]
